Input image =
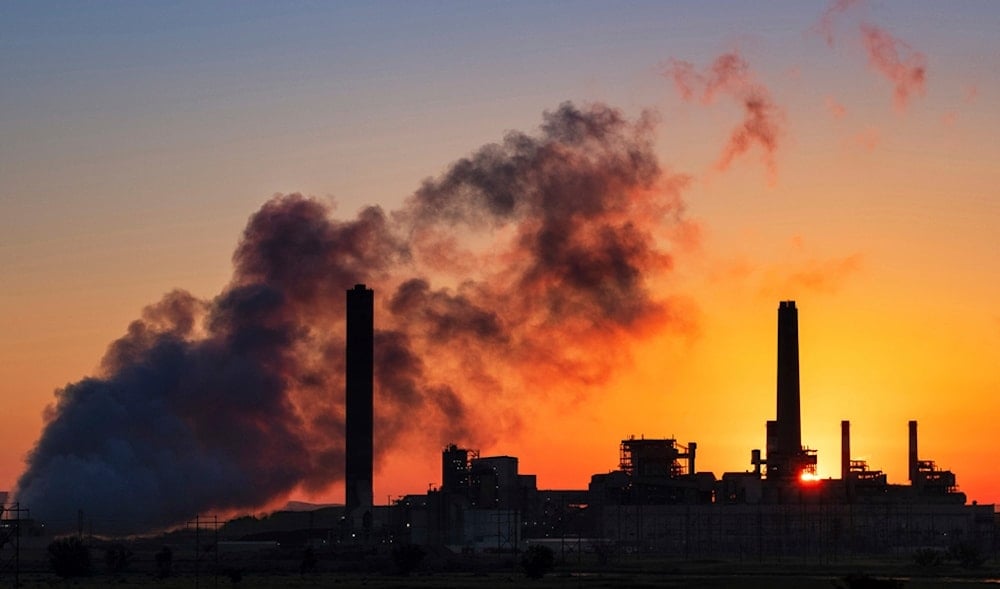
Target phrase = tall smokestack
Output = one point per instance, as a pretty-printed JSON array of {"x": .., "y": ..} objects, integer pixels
[
  {"x": 360, "y": 412},
  {"x": 913, "y": 451},
  {"x": 845, "y": 450},
  {"x": 789, "y": 428}
]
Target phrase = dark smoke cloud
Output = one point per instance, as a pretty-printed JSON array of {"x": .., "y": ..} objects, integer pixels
[
  {"x": 519, "y": 275},
  {"x": 730, "y": 75}
]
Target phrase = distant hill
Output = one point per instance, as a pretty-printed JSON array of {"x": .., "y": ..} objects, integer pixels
[{"x": 305, "y": 506}]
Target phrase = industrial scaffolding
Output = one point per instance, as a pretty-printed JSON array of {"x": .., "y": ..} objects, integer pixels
[{"x": 661, "y": 457}]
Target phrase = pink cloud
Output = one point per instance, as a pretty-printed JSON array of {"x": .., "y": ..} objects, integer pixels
[
  {"x": 869, "y": 138},
  {"x": 971, "y": 93},
  {"x": 826, "y": 24},
  {"x": 897, "y": 62},
  {"x": 835, "y": 108},
  {"x": 824, "y": 275},
  {"x": 891, "y": 57},
  {"x": 802, "y": 273},
  {"x": 812, "y": 274},
  {"x": 730, "y": 75}
]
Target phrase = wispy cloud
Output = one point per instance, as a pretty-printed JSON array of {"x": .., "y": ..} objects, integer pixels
[
  {"x": 836, "y": 109},
  {"x": 826, "y": 26},
  {"x": 889, "y": 56},
  {"x": 730, "y": 75},
  {"x": 899, "y": 63}
]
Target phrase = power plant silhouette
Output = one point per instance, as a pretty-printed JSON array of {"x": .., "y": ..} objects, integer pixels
[
  {"x": 653, "y": 502},
  {"x": 656, "y": 501}
]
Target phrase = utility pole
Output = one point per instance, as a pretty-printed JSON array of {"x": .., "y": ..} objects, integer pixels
[
  {"x": 198, "y": 522},
  {"x": 14, "y": 527},
  {"x": 197, "y": 547}
]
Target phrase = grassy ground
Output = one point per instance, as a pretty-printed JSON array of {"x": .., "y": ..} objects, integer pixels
[
  {"x": 458, "y": 581},
  {"x": 441, "y": 569},
  {"x": 638, "y": 574}
]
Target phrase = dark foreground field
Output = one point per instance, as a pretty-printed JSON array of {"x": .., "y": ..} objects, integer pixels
[
  {"x": 639, "y": 574},
  {"x": 458, "y": 581},
  {"x": 193, "y": 562}
]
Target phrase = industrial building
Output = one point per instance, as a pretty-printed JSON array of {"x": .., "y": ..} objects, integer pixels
[{"x": 657, "y": 502}]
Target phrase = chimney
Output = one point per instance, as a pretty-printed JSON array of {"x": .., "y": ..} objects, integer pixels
[
  {"x": 913, "y": 452},
  {"x": 789, "y": 428},
  {"x": 692, "y": 449},
  {"x": 359, "y": 377},
  {"x": 845, "y": 450}
]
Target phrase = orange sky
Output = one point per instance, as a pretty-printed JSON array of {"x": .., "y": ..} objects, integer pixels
[{"x": 130, "y": 170}]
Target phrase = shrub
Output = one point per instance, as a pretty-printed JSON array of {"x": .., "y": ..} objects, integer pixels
[
  {"x": 537, "y": 561},
  {"x": 867, "y": 582},
  {"x": 967, "y": 555},
  {"x": 309, "y": 561},
  {"x": 164, "y": 562},
  {"x": 407, "y": 557},
  {"x": 927, "y": 557},
  {"x": 235, "y": 575},
  {"x": 602, "y": 550},
  {"x": 69, "y": 557},
  {"x": 117, "y": 558}
]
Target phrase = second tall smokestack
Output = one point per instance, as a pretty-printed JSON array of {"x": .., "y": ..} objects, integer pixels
[
  {"x": 845, "y": 450},
  {"x": 789, "y": 427},
  {"x": 359, "y": 376}
]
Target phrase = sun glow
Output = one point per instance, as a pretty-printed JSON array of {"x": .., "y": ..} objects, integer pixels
[{"x": 809, "y": 477}]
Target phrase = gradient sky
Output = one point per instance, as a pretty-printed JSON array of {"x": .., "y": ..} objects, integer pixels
[{"x": 139, "y": 137}]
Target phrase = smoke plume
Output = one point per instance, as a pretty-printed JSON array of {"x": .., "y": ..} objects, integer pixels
[
  {"x": 891, "y": 57},
  {"x": 520, "y": 275},
  {"x": 897, "y": 61},
  {"x": 836, "y": 110},
  {"x": 826, "y": 26},
  {"x": 730, "y": 75}
]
